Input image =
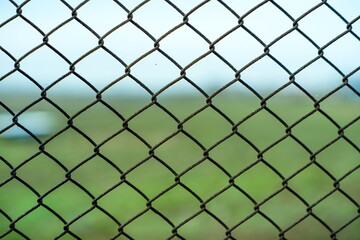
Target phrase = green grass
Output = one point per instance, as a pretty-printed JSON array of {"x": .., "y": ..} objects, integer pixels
[{"x": 178, "y": 153}]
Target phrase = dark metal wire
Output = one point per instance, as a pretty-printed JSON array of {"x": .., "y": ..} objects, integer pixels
[{"x": 149, "y": 207}]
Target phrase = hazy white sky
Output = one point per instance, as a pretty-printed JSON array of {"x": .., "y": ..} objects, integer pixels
[{"x": 183, "y": 45}]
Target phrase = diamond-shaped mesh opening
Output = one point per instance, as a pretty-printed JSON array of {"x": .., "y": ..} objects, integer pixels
[
  {"x": 231, "y": 206},
  {"x": 179, "y": 152},
  {"x": 234, "y": 154},
  {"x": 14, "y": 193},
  {"x": 293, "y": 58},
  {"x": 44, "y": 125},
  {"x": 339, "y": 216},
  {"x": 101, "y": 64},
  {"x": 13, "y": 42},
  {"x": 46, "y": 17},
  {"x": 290, "y": 109},
  {"x": 159, "y": 71},
  {"x": 34, "y": 65},
  {"x": 80, "y": 42},
  {"x": 62, "y": 95},
  {"x": 181, "y": 197},
  {"x": 131, "y": 47},
  {"x": 257, "y": 130},
  {"x": 73, "y": 200},
  {"x": 96, "y": 175},
  {"x": 191, "y": 229},
  {"x": 90, "y": 127},
  {"x": 349, "y": 110},
  {"x": 290, "y": 161},
  {"x": 297, "y": 9},
  {"x": 40, "y": 218},
  {"x": 262, "y": 26},
  {"x": 323, "y": 30},
  {"x": 179, "y": 120},
  {"x": 284, "y": 201},
  {"x": 255, "y": 226},
  {"x": 236, "y": 101},
  {"x": 348, "y": 187},
  {"x": 269, "y": 79},
  {"x": 49, "y": 175},
  {"x": 259, "y": 181},
  {"x": 316, "y": 83},
  {"x": 121, "y": 157},
  {"x": 216, "y": 128},
  {"x": 125, "y": 91},
  {"x": 159, "y": 23},
  {"x": 106, "y": 10},
  {"x": 206, "y": 179},
  {"x": 350, "y": 48},
  {"x": 175, "y": 45},
  {"x": 150, "y": 124},
  {"x": 313, "y": 192},
  {"x": 309, "y": 227},
  {"x": 10, "y": 150},
  {"x": 218, "y": 74},
  {"x": 15, "y": 81},
  {"x": 243, "y": 43},
  {"x": 123, "y": 202},
  {"x": 162, "y": 227},
  {"x": 170, "y": 99},
  {"x": 72, "y": 153},
  {"x": 325, "y": 131},
  {"x": 42, "y": 118},
  {"x": 334, "y": 161},
  {"x": 93, "y": 223},
  {"x": 212, "y": 28},
  {"x": 151, "y": 183}
]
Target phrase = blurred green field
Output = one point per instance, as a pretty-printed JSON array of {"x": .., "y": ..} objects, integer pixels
[{"x": 178, "y": 153}]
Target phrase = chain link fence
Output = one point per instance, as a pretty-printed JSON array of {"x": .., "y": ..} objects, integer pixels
[{"x": 212, "y": 164}]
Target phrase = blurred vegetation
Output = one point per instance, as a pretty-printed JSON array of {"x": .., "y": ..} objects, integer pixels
[{"x": 96, "y": 173}]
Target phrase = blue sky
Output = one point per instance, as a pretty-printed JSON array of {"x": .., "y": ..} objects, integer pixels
[{"x": 183, "y": 45}]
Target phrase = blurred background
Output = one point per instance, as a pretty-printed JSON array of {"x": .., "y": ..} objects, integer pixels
[{"x": 61, "y": 151}]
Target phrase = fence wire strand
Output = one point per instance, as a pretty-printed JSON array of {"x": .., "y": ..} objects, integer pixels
[{"x": 13, "y": 222}]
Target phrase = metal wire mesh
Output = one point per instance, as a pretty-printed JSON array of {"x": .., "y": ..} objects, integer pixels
[{"x": 128, "y": 221}]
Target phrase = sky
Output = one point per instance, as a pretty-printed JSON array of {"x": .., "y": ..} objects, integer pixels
[{"x": 184, "y": 45}]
